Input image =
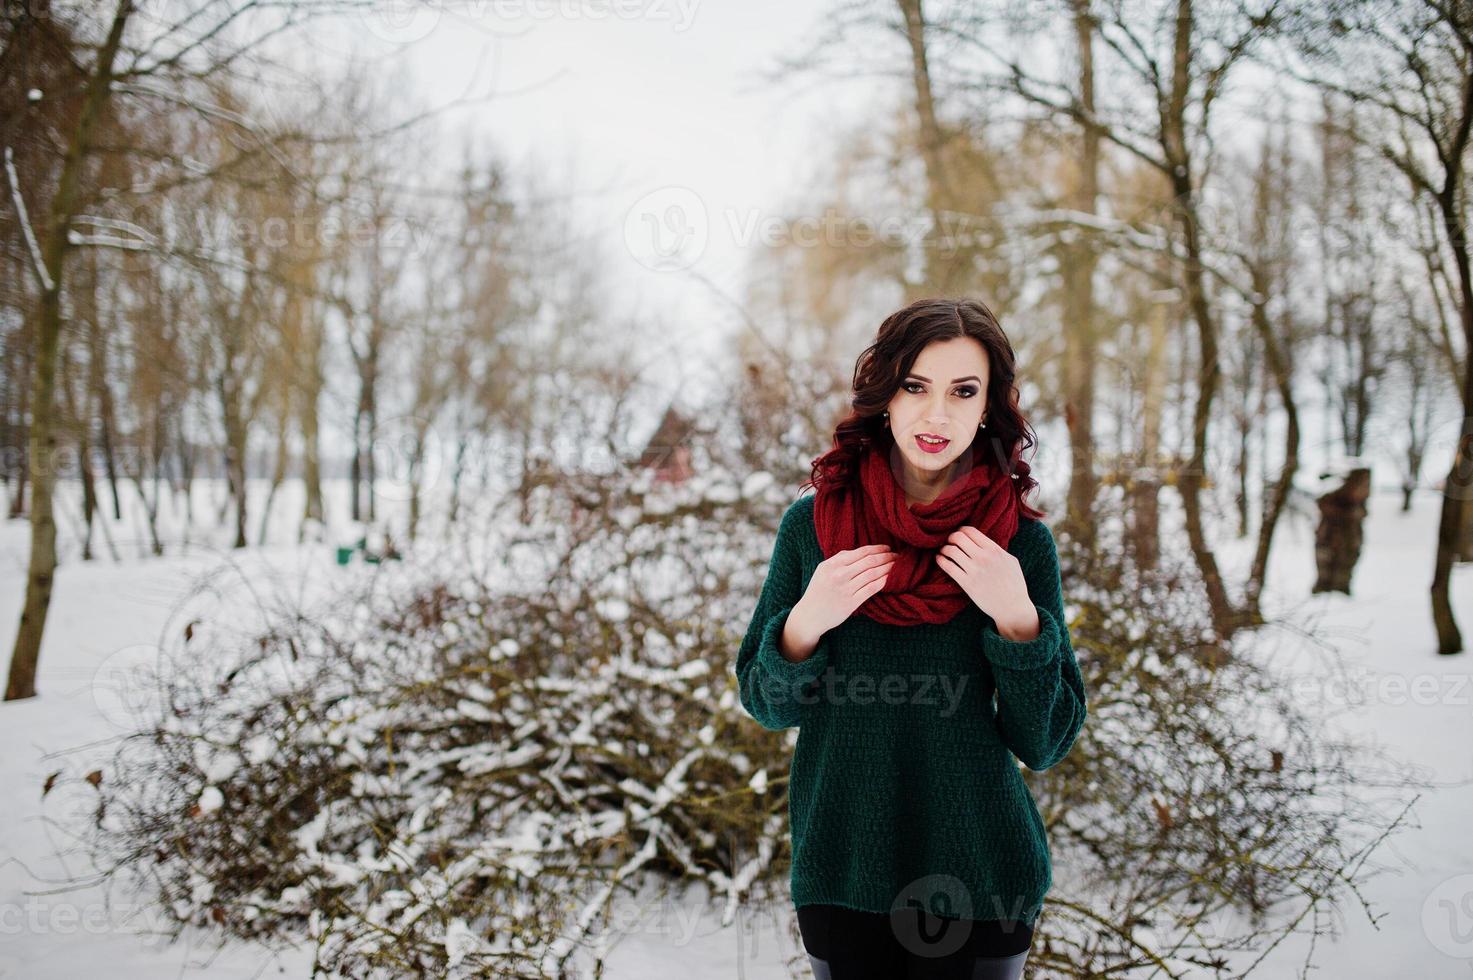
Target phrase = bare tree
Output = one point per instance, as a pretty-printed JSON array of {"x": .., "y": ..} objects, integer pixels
[
  {"x": 1417, "y": 374},
  {"x": 490, "y": 300},
  {"x": 152, "y": 73},
  {"x": 1176, "y": 60},
  {"x": 48, "y": 250},
  {"x": 1079, "y": 261},
  {"x": 1410, "y": 64},
  {"x": 1269, "y": 263}
]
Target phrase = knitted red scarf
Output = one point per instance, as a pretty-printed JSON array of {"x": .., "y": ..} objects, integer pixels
[{"x": 873, "y": 510}]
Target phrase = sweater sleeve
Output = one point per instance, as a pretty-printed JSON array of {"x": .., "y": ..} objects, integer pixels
[
  {"x": 1040, "y": 691},
  {"x": 771, "y": 686}
]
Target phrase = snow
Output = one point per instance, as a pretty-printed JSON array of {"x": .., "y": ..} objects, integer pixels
[
  {"x": 210, "y": 800},
  {"x": 1387, "y": 686}
]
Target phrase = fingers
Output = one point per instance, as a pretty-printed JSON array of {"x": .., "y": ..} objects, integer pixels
[
  {"x": 872, "y": 581},
  {"x": 972, "y": 540},
  {"x": 961, "y": 539},
  {"x": 880, "y": 567},
  {"x": 870, "y": 561},
  {"x": 879, "y": 571},
  {"x": 948, "y": 565},
  {"x": 855, "y": 554},
  {"x": 953, "y": 552}
]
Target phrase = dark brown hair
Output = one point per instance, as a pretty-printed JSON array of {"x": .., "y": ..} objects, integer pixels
[{"x": 882, "y": 367}]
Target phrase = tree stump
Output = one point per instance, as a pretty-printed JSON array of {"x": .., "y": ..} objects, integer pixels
[{"x": 1337, "y": 540}]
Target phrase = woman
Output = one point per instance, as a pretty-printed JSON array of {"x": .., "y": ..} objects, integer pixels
[{"x": 911, "y": 588}]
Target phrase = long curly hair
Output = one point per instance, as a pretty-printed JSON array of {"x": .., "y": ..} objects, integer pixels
[{"x": 883, "y": 365}]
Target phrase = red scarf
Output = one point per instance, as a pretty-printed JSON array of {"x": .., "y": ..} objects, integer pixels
[{"x": 873, "y": 510}]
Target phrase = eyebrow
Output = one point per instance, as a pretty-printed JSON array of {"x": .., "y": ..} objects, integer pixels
[{"x": 970, "y": 377}]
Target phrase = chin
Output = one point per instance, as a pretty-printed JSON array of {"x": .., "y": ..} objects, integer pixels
[{"x": 931, "y": 461}]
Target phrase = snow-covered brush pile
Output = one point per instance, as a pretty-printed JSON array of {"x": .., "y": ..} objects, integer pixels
[
  {"x": 462, "y": 784},
  {"x": 1204, "y": 810}
]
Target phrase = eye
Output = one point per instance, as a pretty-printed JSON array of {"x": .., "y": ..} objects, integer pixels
[{"x": 967, "y": 391}]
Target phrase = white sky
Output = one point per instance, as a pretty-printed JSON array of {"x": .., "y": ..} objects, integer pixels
[{"x": 652, "y": 116}]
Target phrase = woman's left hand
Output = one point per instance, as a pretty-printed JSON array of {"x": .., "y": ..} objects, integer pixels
[{"x": 992, "y": 578}]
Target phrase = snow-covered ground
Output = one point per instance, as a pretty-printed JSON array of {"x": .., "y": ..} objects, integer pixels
[{"x": 106, "y": 614}]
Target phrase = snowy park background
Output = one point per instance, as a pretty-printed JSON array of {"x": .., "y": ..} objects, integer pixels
[
  {"x": 1381, "y": 683},
  {"x": 355, "y": 300}
]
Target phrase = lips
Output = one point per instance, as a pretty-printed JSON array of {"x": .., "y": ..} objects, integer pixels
[{"x": 932, "y": 447}]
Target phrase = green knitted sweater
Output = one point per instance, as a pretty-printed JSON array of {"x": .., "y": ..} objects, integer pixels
[{"x": 903, "y": 787}]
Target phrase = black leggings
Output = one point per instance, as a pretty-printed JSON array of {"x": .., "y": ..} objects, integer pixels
[{"x": 846, "y": 944}]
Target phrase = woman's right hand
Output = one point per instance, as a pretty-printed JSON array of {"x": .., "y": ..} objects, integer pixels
[{"x": 840, "y": 584}]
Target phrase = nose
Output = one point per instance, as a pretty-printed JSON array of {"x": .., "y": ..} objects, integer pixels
[{"x": 936, "y": 415}]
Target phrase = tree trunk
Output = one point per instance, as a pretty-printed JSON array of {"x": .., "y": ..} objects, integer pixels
[
  {"x": 1278, "y": 499},
  {"x": 64, "y": 202},
  {"x": 77, "y": 423},
  {"x": 1192, "y": 476},
  {"x": 1458, "y": 484},
  {"x": 1337, "y": 539},
  {"x": 23, "y": 465},
  {"x": 456, "y": 476},
  {"x": 236, "y": 446},
  {"x": 307, "y": 419},
  {"x": 938, "y": 191},
  {"x": 1243, "y": 462},
  {"x": 101, "y": 394},
  {"x": 1145, "y": 491},
  {"x": 1080, "y": 340},
  {"x": 279, "y": 464}
]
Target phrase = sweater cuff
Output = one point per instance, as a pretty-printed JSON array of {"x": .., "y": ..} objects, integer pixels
[
  {"x": 1023, "y": 654},
  {"x": 781, "y": 668}
]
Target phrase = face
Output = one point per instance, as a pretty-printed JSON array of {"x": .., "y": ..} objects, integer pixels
[{"x": 945, "y": 394}]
